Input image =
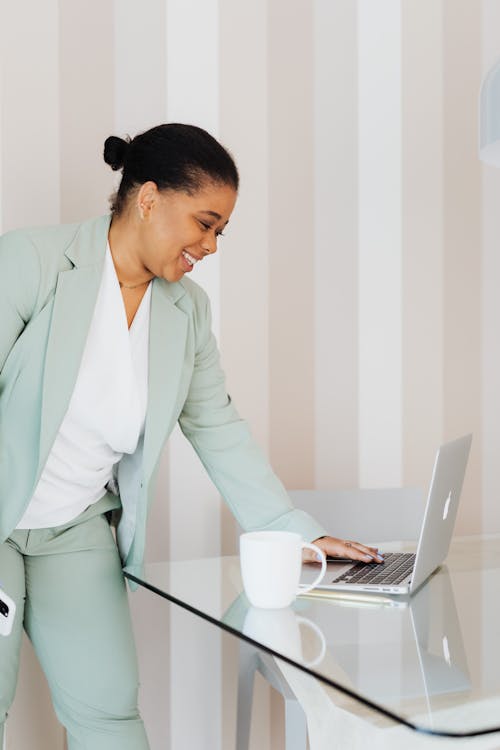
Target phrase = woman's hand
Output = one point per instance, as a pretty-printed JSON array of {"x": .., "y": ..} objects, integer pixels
[{"x": 344, "y": 548}]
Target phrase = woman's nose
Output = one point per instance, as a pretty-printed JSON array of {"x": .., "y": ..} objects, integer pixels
[{"x": 209, "y": 244}]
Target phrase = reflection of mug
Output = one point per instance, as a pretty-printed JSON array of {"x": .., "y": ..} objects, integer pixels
[
  {"x": 271, "y": 563},
  {"x": 280, "y": 630}
]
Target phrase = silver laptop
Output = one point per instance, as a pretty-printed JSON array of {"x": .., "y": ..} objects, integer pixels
[{"x": 402, "y": 573}]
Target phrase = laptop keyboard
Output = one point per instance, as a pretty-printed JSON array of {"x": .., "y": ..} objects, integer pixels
[{"x": 397, "y": 566}]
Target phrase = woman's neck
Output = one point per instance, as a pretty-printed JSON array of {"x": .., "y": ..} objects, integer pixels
[{"x": 125, "y": 244}]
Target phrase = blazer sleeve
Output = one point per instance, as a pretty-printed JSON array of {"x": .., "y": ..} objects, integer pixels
[
  {"x": 19, "y": 283},
  {"x": 228, "y": 452}
]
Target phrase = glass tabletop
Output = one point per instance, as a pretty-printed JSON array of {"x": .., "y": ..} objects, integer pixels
[{"x": 430, "y": 662}]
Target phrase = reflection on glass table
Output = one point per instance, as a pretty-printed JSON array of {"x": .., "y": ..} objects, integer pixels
[{"x": 429, "y": 661}]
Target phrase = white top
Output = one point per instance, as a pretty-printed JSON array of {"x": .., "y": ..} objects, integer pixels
[{"x": 106, "y": 413}]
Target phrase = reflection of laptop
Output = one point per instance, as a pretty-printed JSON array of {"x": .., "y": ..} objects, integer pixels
[
  {"x": 438, "y": 638},
  {"x": 411, "y": 652},
  {"x": 404, "y": 572}
]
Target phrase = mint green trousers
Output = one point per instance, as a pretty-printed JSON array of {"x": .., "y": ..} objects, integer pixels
[{"x": 70, "y": 593}]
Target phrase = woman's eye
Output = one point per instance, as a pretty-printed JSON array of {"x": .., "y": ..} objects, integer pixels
[{"x": 207, "y": 227}]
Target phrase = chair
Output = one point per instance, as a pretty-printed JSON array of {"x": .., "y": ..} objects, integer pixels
[
  {"x": 251, "y": 661},
  {"x": 371, "y": 515},
  {"x": 367, "y": 515}
]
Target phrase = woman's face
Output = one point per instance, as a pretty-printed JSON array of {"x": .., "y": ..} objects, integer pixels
[{"x": 178, "y": 230}]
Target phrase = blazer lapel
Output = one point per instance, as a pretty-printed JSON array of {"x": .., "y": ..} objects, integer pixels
[
  {"x": 74, "y": 302},
  {"x": 167, "y": 344}
]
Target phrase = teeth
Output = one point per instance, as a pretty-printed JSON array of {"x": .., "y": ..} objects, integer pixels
[{"x": 189, "y": 258}]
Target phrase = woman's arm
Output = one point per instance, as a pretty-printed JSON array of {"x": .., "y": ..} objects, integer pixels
[
  {"x": 236, "y": 464},
  {"x": 226, "y": 448}
]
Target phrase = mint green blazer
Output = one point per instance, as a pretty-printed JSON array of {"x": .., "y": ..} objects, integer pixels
[{"x": 49, "y": 279}]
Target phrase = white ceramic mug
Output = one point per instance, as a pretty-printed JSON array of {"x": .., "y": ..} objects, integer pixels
[
  {"x": 271, "y": 563},
  {"x": 280, "y": 630}
]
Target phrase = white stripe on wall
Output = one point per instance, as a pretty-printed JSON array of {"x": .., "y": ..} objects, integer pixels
[
  {"x": 140, "y": 102},
  {"x": 193, "y": 92},
  {"x": 193, "y": 97},
  {"x": 379, "y": 173},
  {"x": 140, "y": 90},
  {"x": 193, "y": 62}
]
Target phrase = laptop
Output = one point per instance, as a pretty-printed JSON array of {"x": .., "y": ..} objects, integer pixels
[{"x": 402, "y": 573}]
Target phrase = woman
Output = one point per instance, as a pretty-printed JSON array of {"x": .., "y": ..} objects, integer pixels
[{"x": 104, "y": 344}]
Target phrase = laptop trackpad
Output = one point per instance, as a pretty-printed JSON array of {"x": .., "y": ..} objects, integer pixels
[{"x": 333, "y": 570}]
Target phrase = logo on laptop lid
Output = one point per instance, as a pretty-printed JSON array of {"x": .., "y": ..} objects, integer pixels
[{"x": 446, "y": 506}]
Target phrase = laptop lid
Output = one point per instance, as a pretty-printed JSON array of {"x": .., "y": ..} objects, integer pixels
[
  {"x": 435, "y": 533},
  {"x": 441, "y": 509}
]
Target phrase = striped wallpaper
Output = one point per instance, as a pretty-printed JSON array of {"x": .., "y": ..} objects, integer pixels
[{"x": 356, "y": 295}]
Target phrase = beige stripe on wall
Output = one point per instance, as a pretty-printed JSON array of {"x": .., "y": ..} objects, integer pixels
[
  {"x": 291, "y": 256},
  {"x": 30, "y": 114},
  {"x": 462, "y": 244},
  {"x": 490, "y": 295},
  {"x": 244, "y": 252},
  {"x": 422, "y": 238},
  {"x": 336, "y": 244},
  {"x": 30, "y": 192},
  {"x": 244, "y": 260},
  {"x": 86, "y": 106}
]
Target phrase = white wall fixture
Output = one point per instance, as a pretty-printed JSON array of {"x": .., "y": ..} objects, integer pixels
[{"x": 489, "y": 117}]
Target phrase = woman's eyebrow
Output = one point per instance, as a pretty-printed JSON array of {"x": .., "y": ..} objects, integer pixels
[{"x": 212, "y": 213}]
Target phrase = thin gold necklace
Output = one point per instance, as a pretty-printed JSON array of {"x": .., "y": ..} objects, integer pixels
[{"x": 132, "y": 286}]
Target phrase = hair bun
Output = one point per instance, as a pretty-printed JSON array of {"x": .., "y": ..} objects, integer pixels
[{"x": 115, "y": 151}]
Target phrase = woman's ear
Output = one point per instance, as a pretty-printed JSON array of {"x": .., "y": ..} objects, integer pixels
[{"x": 147, "y": 197}]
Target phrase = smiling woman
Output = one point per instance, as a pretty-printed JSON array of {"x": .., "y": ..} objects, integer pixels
[
  {"x": 105, "y": 344},
  {"x": 176, "y": 195}
]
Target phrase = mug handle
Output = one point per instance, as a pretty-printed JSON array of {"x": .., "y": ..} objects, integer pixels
[
  {"x": 312, "y": 625},
  {"x": 304, "y": 587}
]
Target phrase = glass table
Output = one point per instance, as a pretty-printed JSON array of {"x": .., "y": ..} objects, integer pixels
[{"x": 430, "y": 662}]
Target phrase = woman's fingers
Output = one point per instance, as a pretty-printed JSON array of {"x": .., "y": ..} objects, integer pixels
[
  {"x": 348, "y": 548},
  {"x": 359, "y": 551}
]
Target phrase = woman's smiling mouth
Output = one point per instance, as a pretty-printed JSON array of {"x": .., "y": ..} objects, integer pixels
[{"x": 189, "y": 260}]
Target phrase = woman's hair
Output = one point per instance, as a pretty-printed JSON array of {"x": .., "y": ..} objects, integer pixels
[{"x": 174, "y": 156}]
